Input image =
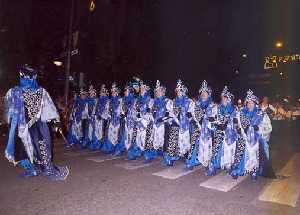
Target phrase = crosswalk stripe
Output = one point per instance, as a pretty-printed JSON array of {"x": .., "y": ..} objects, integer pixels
[
  {"x": 103, "y": 158},
  {"x": 284, "y": 191},
  {"x": 135, "y": 164},
  {"x": 222, "y": 182},
  {"x": 175, "y": 172}
]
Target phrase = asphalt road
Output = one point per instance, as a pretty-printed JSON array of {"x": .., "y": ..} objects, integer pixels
[{"x": 100, "y": 184}]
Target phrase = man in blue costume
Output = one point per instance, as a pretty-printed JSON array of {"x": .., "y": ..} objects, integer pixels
[
  {"x": 91, "y": 104},
  {"x": 143, "y": 124},
  {"x": 101, "y": 118},
  {"x": 77, "y": 133},
  {"x": 179, "y": 133},
  {"x": 203, "y": 113},
  {"x": 128, "y": 119},
  {"x": 224, "y": 136},
  {"x": 113, "y": 132},
  {"x": 85, "y": 117},
  {"x": 30, "y": 109},
  {"x": 246, "y": 159},
  {"x": 156, "y": 139}
]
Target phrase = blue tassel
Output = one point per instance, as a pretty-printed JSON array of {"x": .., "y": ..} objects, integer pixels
[
  {"x": 134, "y": 152},
  {"x": 150, "y": 155},
  {"x": 107, "y": 147}
]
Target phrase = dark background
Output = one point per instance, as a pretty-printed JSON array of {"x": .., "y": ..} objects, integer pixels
[{"x": 156, "y": 39}]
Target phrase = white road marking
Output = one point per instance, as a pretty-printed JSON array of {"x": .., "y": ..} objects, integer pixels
[
  {"x": 136, "y": 164},
  {"x": 222, "y": 182},
  {"x": 175, "y": 172},
  {"x": 79, "y": 153},
  {"x": 102, "y": 158},
  {"x": 285, "y": 191}
]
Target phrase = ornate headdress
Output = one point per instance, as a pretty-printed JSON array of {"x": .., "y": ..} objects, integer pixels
[
  {"x": 227, "y": 94},
  {"x": 82, "y": 91},
  {"x": 92, "y": 91},
  {"x": 180, "y": 87},
  {"x": 251, "y": 97},
  {"x": 115, "y": 88},
  {"x": 27, "y": 72},
  {"x": 136, "y": 82},
  {"x": 205, "y": 88}
]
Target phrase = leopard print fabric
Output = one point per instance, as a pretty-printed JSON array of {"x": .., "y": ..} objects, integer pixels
[
  {"x": 240, "y": 148},
  {"x": 194, "y": 137},
  {"x": 149, "y": 137},
  {"x": 245, "y": 121},
  {"x": 217, "y": 142},
  {"x": 199, "y": 113},
  {"x": 32, "y": 102},
  {"x": 173, "y": 148}
]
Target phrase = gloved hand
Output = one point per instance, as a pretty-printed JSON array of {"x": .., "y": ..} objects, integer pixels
[
  {"x": 235, "y": 121},
  {"x": 211, "y": 119},
  {"x": 201, "y": 120},
  {"x": 221, "y": 127},
  {"x": 189, "y": 115},
  {"x": 57, "y": 126},
  {"x": 99, "y": 117},
  {"x": 174, "y": 123},
  {"x": 159, "y": 120},
  {"x": 167, "y": 114},
  {"x": 154, "y": 114},
  {"x": 246, "y": 129}
]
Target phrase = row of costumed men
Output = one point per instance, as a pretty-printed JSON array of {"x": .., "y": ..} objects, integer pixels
[{"x": 198, "y": 132}]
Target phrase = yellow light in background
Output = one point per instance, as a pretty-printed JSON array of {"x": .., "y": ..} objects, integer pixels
[
  {"x": 92, "y": 6},
  {"x": 272, "y": 61},
  {"x": 279, "y": 44}
]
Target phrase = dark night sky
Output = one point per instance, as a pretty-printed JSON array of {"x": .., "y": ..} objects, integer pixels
[{"x": 156, "y": 39}]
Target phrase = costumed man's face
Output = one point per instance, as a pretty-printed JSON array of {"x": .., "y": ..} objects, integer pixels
[
  {"x": 27, "y": 83},
  {"x": 204, "y": 95},
  {"x": 136, "y": 88},
  {"x": 126, "y": 92},
  {"x": 250, "y": 105},
  {"x": 83, "y": 96},
  {"x": 158, "y": 93},
  {"x": 114, "y": 93},
  {"x": 28, "y": 78},
  {"x": 178, "y": 93},
  {"x": 143, "y": 90},
  {"x": 265, "y": 100},
  {"x": 224, "y": 100},
  {"x": 239, "y": 103}
]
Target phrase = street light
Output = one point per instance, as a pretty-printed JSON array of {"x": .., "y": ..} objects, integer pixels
[
  {"x": 58, "y": 63},
  {"x": 279, "y": 44}
]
